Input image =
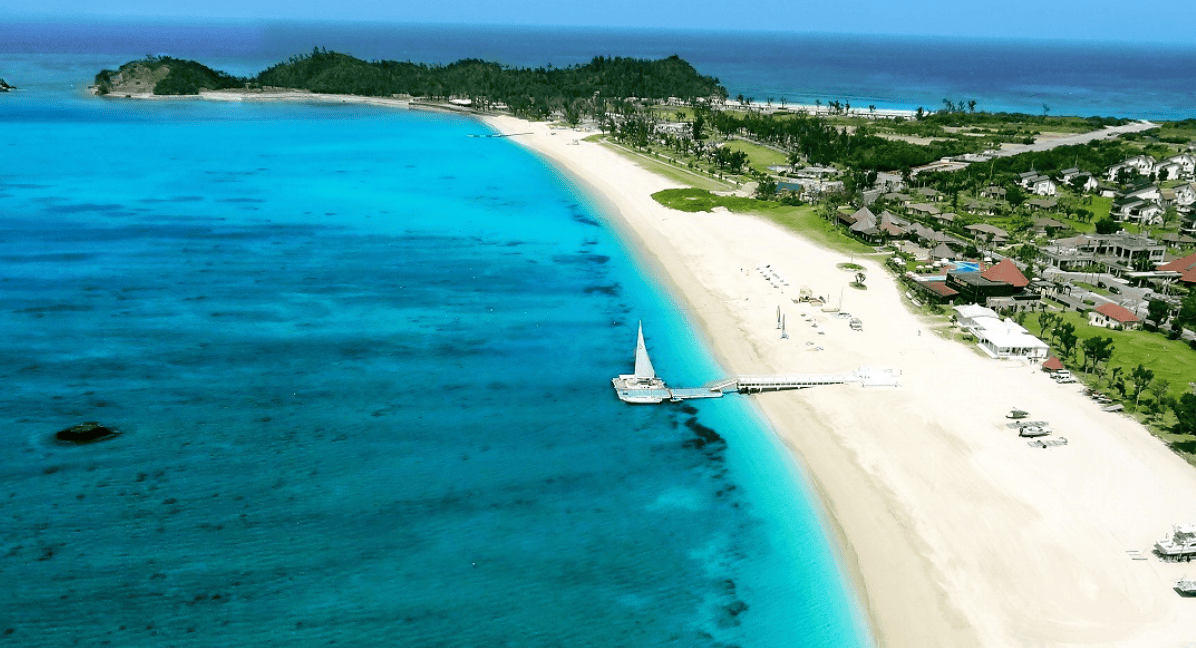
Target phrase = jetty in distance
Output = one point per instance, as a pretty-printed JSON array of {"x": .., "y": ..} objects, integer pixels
[{"x": 643, "y": 386}]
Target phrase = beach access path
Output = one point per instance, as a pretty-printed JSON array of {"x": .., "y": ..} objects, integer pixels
[{"x": 955, "y": 530}]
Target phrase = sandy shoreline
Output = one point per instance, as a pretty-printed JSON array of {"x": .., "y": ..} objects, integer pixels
[{"x": 957, "y": 531}]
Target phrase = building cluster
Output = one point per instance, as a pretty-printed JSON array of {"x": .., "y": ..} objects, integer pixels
[{"x": 1147, "y": 203}]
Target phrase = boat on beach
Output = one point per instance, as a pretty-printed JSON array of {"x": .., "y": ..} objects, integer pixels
[{"x": 1180, "y": 546}]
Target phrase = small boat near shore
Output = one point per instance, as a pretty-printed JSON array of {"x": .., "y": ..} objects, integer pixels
[
  {"x": 1033, "y": 431},
  {"x": 1186, "y": 586},
  {"x": 1180, "y": 546}
]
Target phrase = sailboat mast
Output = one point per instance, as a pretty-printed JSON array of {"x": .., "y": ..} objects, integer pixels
[{"x": 643, "y": 364}]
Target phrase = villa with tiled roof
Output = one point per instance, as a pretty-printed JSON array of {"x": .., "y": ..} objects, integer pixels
[{"x": 1110, "y": 315}]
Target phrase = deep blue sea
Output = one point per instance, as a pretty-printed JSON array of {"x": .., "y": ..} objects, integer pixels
[
  {"x": 361, "y": 365},
  {"x": 1138, "y": 80}
]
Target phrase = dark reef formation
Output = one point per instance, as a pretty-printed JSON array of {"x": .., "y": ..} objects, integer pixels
[{"x": 88, "y": 432}]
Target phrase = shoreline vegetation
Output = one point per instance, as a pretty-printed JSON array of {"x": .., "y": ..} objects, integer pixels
[
  {"x": 535, "y": 93},
  {"x": 955, "y": 531}
]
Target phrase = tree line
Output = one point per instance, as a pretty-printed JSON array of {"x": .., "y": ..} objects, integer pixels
[
  {"x": 536, "y": 91},
  {"x": 822, "y": 143}
]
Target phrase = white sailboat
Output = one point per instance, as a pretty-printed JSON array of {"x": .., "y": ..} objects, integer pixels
[
  {"x": 784, "y": 334},
  {"x": 643, "y": 386}
]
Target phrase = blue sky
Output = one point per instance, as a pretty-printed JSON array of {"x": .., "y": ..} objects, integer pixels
[{"x": 1142, "y": 21}]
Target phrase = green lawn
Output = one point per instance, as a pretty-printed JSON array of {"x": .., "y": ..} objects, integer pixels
[
  {"x": 760, "y": 157},
  {"x": 802, "y": 220},
  {"x": 1100, "y": 207},
  {"x": 1171, "y": 360},
  {"x": 673, "y": 172},
  {"x": 670, "y": 112}
]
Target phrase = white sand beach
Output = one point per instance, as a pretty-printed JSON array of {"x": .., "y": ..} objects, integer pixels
[{"x": 957, "y": 532}]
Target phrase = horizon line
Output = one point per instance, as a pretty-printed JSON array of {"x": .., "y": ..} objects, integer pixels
[{"x": 182, "y": 20}]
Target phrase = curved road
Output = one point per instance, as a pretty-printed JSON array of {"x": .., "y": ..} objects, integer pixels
[{"x": 1082, "y": 138}]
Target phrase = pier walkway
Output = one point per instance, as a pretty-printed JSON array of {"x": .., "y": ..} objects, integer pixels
[
  {"x": 749, "y": 384},
  {"x": 755, "y": 384}
]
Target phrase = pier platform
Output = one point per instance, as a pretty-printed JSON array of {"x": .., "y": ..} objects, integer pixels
[{"x": 756, "y": 384}]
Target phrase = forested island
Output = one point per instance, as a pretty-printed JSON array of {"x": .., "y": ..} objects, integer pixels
[{"x": 524, "y": 91}]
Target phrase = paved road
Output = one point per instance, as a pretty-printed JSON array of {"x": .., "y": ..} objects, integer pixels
[
  {"x": 1131, "y": 297},
  {"x": 1082, "y": 138}
]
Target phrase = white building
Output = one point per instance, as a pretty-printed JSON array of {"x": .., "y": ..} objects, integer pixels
[{"x": 1000, "y": 338}]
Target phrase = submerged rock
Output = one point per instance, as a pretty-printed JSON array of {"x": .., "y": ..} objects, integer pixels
[{"x": 89, "y": 432}]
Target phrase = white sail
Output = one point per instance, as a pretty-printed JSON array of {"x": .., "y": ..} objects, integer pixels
[{"x": 643, "y": 364}]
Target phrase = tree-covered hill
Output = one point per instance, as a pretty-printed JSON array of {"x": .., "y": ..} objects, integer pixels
[
  {"x": 163, "y": 75},
  {"x": 522, "y": 89}
]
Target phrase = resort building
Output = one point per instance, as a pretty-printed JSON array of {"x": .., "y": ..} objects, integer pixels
[
  {"x": 1181, "y": 270},
  {"x": 1112, "y": 316},
  {"x": 872, "y": 228},
  {"x": 1117, "y": 254},
  {"x": 1001, "y": 280},
  {"x": 999, "y": 338}
]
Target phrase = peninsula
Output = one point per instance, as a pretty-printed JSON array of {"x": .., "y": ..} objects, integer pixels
[{"x": 535, "y": 93}]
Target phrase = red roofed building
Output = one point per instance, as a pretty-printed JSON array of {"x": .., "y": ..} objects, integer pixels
[
  {"x": 1052, "y": 365},
  {"x": 1006, "y": 272},
  {"x": 1001, "y": 280},
  {"x": 1186, "y": 267},
  {"x": 1113, "y": 316},
  {"x": 935, "y": 292}
]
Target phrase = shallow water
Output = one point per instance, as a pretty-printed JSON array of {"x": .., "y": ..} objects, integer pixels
[{"x": 360, "y": 362}]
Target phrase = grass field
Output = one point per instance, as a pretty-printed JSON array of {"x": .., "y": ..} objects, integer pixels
[
  {"x": 1171, "y": 360},
  {"x": 673, "y": 172},
  {"x": 759, "y": 157},
  {"x": 802, "y": 220}
]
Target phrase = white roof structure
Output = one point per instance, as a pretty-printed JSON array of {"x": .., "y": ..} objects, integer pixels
[
  {"x": 972, "y": 311},
  {"x": 1006, "y": 339}
]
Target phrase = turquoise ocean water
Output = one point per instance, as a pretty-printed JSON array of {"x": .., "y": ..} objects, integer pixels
[
  {"x": 361, "y": 360},
  {"x": 361, "y": 365}
]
